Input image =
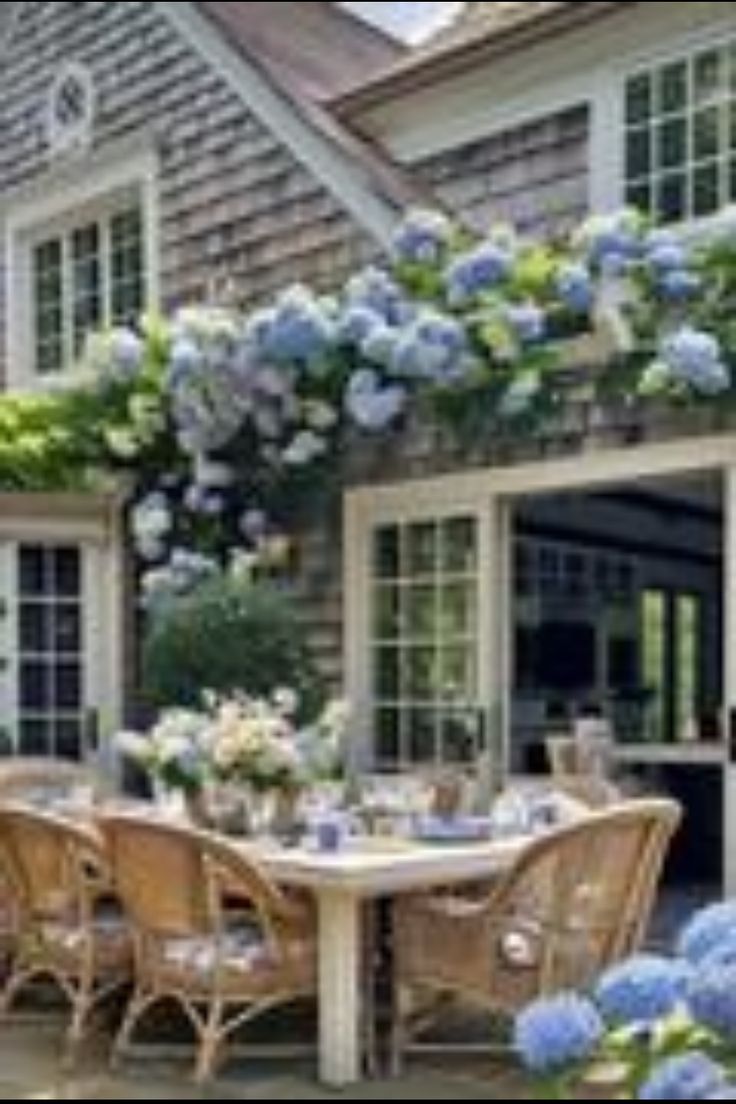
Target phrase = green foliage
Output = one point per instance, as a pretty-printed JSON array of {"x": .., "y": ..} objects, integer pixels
[{"x": 228, "y": 635}]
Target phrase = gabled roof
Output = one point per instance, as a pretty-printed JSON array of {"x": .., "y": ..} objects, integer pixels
[
  {"x": 481, "y": 33},
  {"x": 481, "y": 19},
  {"x": 319, "y": 49}
]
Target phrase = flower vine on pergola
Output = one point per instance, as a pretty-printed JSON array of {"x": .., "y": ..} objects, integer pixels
[{"x": 223, "y": 421}]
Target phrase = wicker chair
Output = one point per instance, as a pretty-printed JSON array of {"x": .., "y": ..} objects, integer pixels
[
  {"x": 225, "y": 971},
  {"x": 68, "y": 928},
  {"x": 576, "y": 901},
  {"x": 581, "y": 769}
]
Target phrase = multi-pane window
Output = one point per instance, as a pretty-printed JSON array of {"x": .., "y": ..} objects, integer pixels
[
  {"x": 425, "y": 642},
  {"x": 50, "y": 651},
  {"x": 90, "y": 276},
  {"x": 680, "y": 155}
]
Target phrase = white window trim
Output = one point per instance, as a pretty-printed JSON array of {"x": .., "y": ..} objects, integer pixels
[
  {"x": 369, "y": 508},
  {"x": 607, "y": 163},
  {"x": 87, "y": 189},
  {"x": 489, "y": 493},
  {"x": 95, "y": 524}
]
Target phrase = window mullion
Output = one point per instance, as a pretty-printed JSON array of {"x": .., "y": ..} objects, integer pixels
[
  {"x": 68, "y": 295},
  {"x": 106, "y": 274}
]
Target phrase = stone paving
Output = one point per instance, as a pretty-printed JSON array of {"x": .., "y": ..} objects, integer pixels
[{"x": 30, "y": 1069}]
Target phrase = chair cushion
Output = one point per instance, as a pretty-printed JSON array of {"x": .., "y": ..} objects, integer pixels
[{"x": 246, "y": 960}]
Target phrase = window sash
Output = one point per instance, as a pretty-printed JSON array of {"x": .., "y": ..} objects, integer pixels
[
  {"x": 424, "y": 642},
  {"x": 86, "y": 277},
  {"x": 679, "y": 134}
]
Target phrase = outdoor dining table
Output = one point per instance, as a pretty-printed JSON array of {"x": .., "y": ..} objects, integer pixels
[{"x": 342, "y": 883}]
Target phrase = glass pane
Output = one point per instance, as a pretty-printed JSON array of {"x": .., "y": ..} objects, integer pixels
[
  {"x": 460, "y": 736},
  {"x": 732, "y": 181},
  {"x": 421, "y": 613},
  {"x": 672, "y": 146},
  {"x": 638, "y": 154},
  {"x": 128, "y": 275},
  {"x": 48, "y": 295},
  {"x": 68, "y": 688},
  {"x": 458, "y": 674},
  {"x": 388, "y": 674},
  {"x": 458, "y": 610},
  {"x": 34, "y": 628},
  {"x": 68, "y": 738},
  {"x": 732, "y": 127},
  {"x": 709, "y": 74},
  {"x": 673, "y": 88},
  {"x": 706, "y": 190},
  {"x": 654, "y": 661},
  {"x": 87, "y": 283},
  {"x": 672, "y": 198},
  {"x": 422, "y": 736},
  {"x": 35, "y": 737},
  {"x": 706, "y": 134},
  {"x": 422, "y": 681},
  {"x": 688, "y": 613},
  {"x": 388, "y": 736},
  {"x": 422, "y": 543},
  {"x": 640, "y": 197},
  {"x": 387, "y": 553},
  {"x": 459, "y": 547},
  {"x": 67, "y": 572},
  {"x": 388, "y": 613},
  {"x": 35, "y": 687},
  {"x": 33, "y": 575},
  {"x": 68, "y": 629},
  {"x": 639, "y": 99}
]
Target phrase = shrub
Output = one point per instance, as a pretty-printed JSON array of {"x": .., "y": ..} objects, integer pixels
[{"x": 228, "y": 635}]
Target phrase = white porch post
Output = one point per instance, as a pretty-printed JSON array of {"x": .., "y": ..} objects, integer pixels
[
  {"x": 496, "y": 632},
  {"x": 729, "y": 566}
]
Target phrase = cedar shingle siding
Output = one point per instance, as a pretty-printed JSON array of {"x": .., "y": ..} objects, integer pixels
[
  {"x": 535, "y": 177},
  {"x": 234, "y": 202}
]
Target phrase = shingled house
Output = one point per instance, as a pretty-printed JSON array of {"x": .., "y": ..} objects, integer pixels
[{"x": 155, "y": 154}]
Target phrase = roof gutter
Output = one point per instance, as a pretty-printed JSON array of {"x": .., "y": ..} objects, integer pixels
[{"x": 454, "y": 61}]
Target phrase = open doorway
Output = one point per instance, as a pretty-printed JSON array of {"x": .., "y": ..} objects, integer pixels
[{"x": 618, "y": 600}]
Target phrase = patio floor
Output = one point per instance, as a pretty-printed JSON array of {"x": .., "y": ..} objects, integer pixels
[{"x": 30, "y": 1070}]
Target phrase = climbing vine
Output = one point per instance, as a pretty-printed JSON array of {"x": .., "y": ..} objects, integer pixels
[{"x": 223, "y": 423}]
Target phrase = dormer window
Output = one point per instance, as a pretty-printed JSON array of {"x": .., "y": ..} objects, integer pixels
[{"x": 680, "y": 135}]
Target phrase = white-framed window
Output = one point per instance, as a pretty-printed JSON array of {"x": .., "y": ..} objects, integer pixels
[
  {"x": 424, "y": 641},
  {"x": 679, "y": 133},
  {"x": 78, "y": 259},
  {"x": 86, "y": 274}
]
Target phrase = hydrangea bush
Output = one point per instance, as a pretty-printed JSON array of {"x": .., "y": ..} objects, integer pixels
[
  {"x": 662, "y": 1028},
  {"x": 222, "y": 423}
]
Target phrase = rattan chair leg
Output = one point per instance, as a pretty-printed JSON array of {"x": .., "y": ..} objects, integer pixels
[{"x": 210, "y": 1042}]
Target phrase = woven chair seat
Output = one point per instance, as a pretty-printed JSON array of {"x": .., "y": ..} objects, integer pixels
[{"x": 242, "y": 961}]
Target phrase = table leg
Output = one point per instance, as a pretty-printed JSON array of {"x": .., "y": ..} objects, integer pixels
[{"x": 339, "y": 989}]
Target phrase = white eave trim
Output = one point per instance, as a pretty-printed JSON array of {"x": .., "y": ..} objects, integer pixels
[{"x": 286, "y": 120}]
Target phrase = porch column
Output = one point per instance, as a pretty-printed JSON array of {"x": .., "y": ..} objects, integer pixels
[
  {"x": 496, "y": 635},
  {"x": 729, "y": 567}
]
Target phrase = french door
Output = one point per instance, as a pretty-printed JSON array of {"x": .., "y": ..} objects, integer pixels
[{"x": 54, "y": 657}]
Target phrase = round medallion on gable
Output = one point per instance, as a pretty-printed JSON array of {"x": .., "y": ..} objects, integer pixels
[{"x": 71, "y": 108}]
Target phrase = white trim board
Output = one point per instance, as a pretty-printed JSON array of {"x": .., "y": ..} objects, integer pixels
[
  {"x": 335, "y": 170},
  {"x": 62, "y": 194},
  {"x": 590, "y": 468}
]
